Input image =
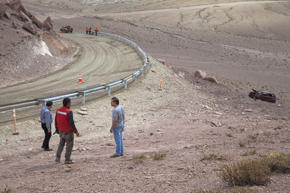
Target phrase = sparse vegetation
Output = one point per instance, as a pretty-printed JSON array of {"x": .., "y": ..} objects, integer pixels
[
  {"x": 158, "y": 156},
  {"x": 252, "y": 136},
  {"x": 229, "y": 135},
  {"x": 266, "y": 133},
  {"x": 137, "y": 158},
  {"x": 241, "y": 144},
  {"x": 213, "y": 156},
  {"x": 234, "y": 190},
  {"x": 151, "y": 133},
  {"x": 278, "y": 127},
  {"x": 242, "y": 129},
  {"x": 250, "y": 152},
  {"x": 6, "y": 190},
  {"x": 246, "y": 172},
  {"x": 287, "y": 140},
  {"x": 279, "y": 163}
]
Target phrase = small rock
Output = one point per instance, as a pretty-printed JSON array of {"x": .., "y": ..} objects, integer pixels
[
  {"x": 243, "y": 113},
  {"x": 84, "y": 109},
  {"x": 1, "y": 160},
  {"x": 158, "y": 130},
  {"x": 30, "y": 149},
  {"x": 180, "y": 168},
  {"x": 248, "y": 110},
  {"x": 130, "y": 167},
  {"x": 109, "y": 144},
  {"x": 82, "y": 113}
]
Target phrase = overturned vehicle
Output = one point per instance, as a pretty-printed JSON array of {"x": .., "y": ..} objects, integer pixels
[{"x": 263, "y": 95}]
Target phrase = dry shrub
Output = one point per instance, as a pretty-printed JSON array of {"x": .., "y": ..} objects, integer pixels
[
  {"x": 246, "y": 172},
  {"x": 158, "y": 156},
  {"x": 279, "y": 163},
  {"x": 213, "y": 156},
  {"x": 138, "y": 158},
  {"x": 6, "y": 190},
  {"x": 250, "y": 152},
  {"x": 234, "y": 190}
]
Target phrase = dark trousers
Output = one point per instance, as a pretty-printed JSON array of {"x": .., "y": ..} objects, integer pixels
[{"x": 45, "y": 143}]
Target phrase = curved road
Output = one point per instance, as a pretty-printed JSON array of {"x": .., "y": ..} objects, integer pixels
[{"x": 103, "y": 60}]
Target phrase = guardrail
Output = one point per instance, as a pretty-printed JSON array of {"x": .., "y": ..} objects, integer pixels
[{"x": 83, "y": 93}]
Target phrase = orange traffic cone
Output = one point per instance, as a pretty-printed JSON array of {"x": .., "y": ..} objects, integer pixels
[{"x": 80, "y": 78}]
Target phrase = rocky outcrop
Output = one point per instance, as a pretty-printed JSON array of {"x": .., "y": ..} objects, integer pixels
[
  {"x": 31, "y": 22},
  {"x": 3, "y": 9},
  {"x": 30, "y": 27},
  {"x": 211, "y": 79},
  {"x": 48, "y": 24},
  {"x": 201, "y": 74},
  {"x": 37, "y": 22}
]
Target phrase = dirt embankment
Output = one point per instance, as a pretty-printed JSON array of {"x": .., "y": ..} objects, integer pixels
[{"x": 28, "y": 52}]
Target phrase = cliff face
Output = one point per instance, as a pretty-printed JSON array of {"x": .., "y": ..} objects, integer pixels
[{"x": 28, "y": 46}]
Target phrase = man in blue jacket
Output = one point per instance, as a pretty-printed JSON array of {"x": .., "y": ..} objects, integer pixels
[{"x": 46, "y": 120}]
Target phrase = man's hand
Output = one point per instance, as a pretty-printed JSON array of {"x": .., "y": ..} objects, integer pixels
[
  {"x": 48, "y": 131},
  {"x": 111, "y": 130},
  {"x": 77, "y": 134}
]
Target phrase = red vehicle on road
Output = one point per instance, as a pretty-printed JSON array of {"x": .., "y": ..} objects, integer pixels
[{"x": 263, "y": 95}]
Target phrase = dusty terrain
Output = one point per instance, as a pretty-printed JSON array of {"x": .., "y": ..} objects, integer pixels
[{"x": 237, "y": 42}]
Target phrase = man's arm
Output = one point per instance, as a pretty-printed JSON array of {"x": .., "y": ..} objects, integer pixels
[
  {"x": 47, "y": 120},
  {"x": 71, "y": 121},
  {"x": 113, "y": 124}
]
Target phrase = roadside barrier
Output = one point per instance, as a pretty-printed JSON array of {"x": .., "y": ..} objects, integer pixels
[{"x": 145, "y": 68}]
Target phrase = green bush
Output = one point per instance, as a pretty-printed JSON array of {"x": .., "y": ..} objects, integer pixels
[
  {"x": 279, "y": 163},
  {"x": 246, "y": 172}
]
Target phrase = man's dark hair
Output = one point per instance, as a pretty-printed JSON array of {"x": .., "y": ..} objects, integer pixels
[
  {"x": 115, "y": 100},
  {"x": 65, "y": 101},
  {"x": 49, "y": 103}
]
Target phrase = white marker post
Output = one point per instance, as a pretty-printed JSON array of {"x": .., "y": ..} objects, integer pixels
[{"x": 15, "y": 130}]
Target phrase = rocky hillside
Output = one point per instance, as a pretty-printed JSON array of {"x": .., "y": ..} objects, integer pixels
[{"x": 29, "y": 47}]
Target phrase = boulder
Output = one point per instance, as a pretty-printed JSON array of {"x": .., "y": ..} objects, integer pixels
[
  {"x": 24, "y": 17},
  {"x": 7, "y": 15},
  {"x": 200, "y": 74},
  {"x": 211, "y": 79},
  {"x": 161, "y": 61},
  {"x": 37, "y": 22},
  {"x": 3, "y": 9},
  {"x": 48, "y": 24},
  {"x": 14, "y": 25},
  {"x": 30, "y": 27},
  {"x": 83, "y": 112}
]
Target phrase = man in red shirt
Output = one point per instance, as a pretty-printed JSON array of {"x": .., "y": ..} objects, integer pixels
[{"x": 64, "y": 123}]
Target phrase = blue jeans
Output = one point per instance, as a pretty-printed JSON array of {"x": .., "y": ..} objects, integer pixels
[{"x": 118, "y": 135}]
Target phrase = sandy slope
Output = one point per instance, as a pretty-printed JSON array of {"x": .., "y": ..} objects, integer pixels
[{"x": 181, "y": 116}]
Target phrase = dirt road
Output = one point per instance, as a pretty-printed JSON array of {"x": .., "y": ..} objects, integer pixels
[{"x": 102, "y": 60}]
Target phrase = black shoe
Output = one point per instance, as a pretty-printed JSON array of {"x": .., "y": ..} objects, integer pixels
[
  {"x": 121, "y": 154},
  {"x": 113, "y": 156},
  {"x": 42, "y": 147},
  {"x": 48, "y": 149}
]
